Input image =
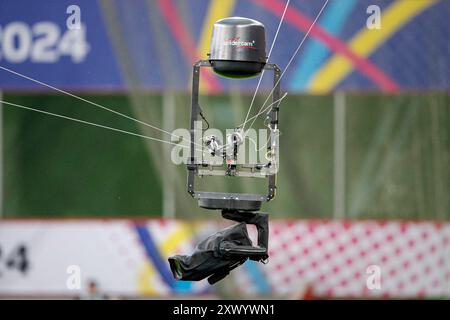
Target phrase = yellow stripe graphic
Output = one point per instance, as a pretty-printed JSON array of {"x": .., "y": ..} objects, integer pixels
[
  {"x": 174, "y": 240},
  {"x": 148, "y": 272},
  {"x": 144, "y": 278},
  {"x": 367, "y": 41},
  {"x": 218, "y": 9}
]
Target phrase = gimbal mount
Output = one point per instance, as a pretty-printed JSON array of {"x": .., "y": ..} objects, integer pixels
[
  {"x": 233, "y": 201},
  {"x": 225, "y": 250}
]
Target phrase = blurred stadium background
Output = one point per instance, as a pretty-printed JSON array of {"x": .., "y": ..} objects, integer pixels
[{"x": 364, "y": 176}]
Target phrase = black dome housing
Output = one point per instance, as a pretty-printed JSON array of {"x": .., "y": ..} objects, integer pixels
[{"x": 238, "y": 47}]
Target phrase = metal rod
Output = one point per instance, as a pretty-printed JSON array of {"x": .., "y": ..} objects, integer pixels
[
  {"x": 339, "y": 155},
  {"x": 1, "y": 155},
  {"x": 169, "y": 178}
]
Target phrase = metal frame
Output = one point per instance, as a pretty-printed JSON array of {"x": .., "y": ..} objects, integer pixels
[{"x": 192, "y": 165}]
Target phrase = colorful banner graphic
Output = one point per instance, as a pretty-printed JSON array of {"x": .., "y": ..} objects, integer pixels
[
  {"x": 153, "y": 44},
  {"x": 129, "y": 259}
]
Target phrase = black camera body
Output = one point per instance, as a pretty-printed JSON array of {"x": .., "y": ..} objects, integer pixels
[{"x": 217, "y": 255}]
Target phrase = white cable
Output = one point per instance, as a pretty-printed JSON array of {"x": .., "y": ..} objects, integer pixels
[
  {"x": 256, "y": 115},
  {"x": 90, "y": 123},
  {"x": 87, "y": 101},
  {"x": 265, "y": 109},
  {"x": 292, "y": 58},
  {"x": 268, "y": 57},
  {"x": 264, "y": 145}
]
